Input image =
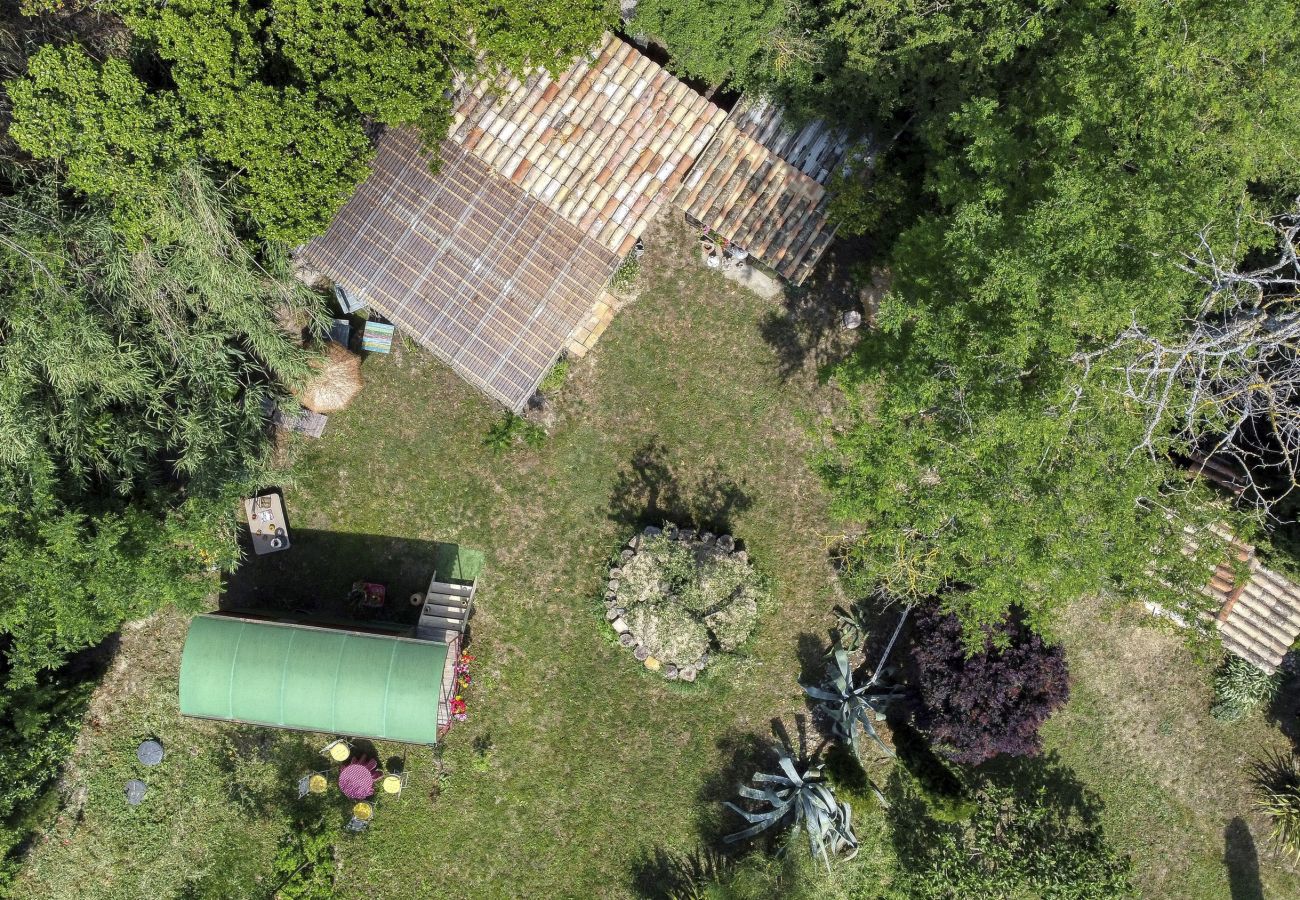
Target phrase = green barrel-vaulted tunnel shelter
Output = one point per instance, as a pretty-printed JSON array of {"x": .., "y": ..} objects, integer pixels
[{"x": 314, "y": 679}]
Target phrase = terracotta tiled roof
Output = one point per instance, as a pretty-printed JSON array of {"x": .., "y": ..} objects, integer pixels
[
  {"x": 605, "y": 144},
  {"x": 484, "y": 275},
  {"x": 1260, "y": 619},
  {"x": 749, "y": 195}
]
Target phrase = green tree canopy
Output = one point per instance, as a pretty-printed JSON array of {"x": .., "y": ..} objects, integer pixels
[
  {"x": 1062, "y": 162},
  {"x": 277, "y": 91},
  {"x": 132, "y": 385}
]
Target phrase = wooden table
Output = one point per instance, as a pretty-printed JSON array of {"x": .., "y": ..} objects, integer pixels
[{"x": 267, "y": 523}]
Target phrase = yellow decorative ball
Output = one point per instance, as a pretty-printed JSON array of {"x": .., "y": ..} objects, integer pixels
[{"x": 652, "y": 664}]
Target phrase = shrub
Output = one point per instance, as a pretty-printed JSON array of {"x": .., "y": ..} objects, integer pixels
[
  {"x": 1027, "y": 838},
  {"x": 1277, "y": 794},
  {"x": 993, "y": 701},
  {"x": 1239, "y": 687},
  {"x": 304, "y": 867}
]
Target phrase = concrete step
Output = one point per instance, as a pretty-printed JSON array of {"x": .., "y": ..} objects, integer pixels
[
  {"x": 456, "y": 613},
  {"x": 457, "y": 590}
]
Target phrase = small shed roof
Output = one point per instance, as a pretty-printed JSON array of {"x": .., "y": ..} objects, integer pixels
[
  {"x": 314, "y": 679},
  {"x": 762, "y": 184},
  {"x": 480, "y": 272},
  {"x": 605, "y": 144}
]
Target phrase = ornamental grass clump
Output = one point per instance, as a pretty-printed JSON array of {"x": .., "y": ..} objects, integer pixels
[
  {"x": 1277, "y": 794},
  {"x": 1240, "y": 687}
]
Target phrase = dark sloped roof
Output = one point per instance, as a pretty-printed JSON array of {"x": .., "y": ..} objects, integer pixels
[{"x": 484, "y": 275}]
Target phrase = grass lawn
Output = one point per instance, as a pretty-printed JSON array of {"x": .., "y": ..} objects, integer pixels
[{"x": 576, "y": 765}]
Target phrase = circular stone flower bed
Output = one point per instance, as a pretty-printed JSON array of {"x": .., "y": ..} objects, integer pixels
[{"x": 678, "y": 598}]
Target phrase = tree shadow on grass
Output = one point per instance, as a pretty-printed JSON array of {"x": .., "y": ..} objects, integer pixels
[
  {"x": 649, "y": 491},
  {"x": 809, "y": 330},
  {"x": 1242, "y": 860}
]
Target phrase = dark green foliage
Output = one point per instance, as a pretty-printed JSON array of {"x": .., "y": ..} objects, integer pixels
[
  {"x": 974, "y": 706},
  {"x": 304, "y": 867},
  {"x": 277, "y": 91},
  {"x": 1032, "y": 834},
  {"x": 126, "y": 367},
  {"x": 1060, "y": 162},
  {"x": 134, "y": 368},
  {"x": 113, "y": 135},
  {"x": 745, "y": 44},
  {"x": 38, "y": 727}
]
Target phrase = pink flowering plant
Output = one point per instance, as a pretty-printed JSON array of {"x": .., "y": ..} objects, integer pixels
[{"x": 459, "y": 709}]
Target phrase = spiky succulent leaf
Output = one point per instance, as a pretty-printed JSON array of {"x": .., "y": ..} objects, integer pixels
[{"x": 803, "y": 798}]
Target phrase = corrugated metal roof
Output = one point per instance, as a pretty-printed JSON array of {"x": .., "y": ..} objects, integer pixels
[
  {"x": 606, "y": 144},
  {"x": 314, "y": 679},
  {"x": 483, "y": 274}
]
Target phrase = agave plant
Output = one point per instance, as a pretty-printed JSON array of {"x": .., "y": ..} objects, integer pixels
[
  {"x": 848, "y": 705},
  {"x": 1277, "y": 793},
  {"x": 804, "y": 799},
  {"x": 851, "y": 624}
]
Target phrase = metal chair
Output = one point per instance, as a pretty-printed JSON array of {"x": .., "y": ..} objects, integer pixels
[
  {"x": 362, "y": 815},
  {"x": 338, "y": 751},
  {"x": 312, "y": 783},
  {"x": 392, "y": 784}
]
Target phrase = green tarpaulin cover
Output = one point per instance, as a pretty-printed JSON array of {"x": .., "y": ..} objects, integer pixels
[{"x": 316, "y": 679}]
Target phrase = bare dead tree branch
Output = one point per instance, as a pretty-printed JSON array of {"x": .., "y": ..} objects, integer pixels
[{"x": 1228, "y": 384}]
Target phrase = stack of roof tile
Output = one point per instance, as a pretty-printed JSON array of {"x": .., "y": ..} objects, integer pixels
[
  {"x": 1260, "y": 619},
  {"x": 605, "y": 144}
]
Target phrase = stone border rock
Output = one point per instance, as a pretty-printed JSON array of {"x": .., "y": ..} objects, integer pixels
[{"x": 614, "y": 612}]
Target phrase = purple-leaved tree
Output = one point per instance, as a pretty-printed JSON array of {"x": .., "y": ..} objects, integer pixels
[{"x": 974, "y": 707}]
